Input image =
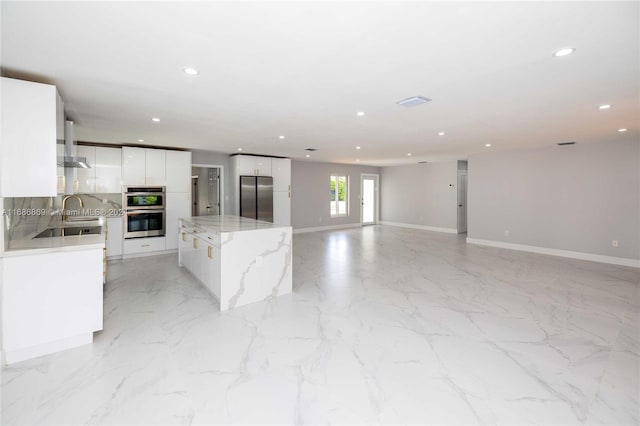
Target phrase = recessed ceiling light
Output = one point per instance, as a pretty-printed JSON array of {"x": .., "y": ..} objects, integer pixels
[
  {"x": 440, "y": 133},
  {"x": 409, "y": 154},
  {"x": 605, "y": 106},
  {"x": 239, "y": 149},
  {"x": 140, "y": 140},
  {"x": 488, "y": 145},
  {"x": 308, "y": 155},
  {"x": 360, "y": 113},
  {"x": 622, "y": 130},
  {"x": 156, "y": 119},
  {"x": 190, "y": 71},
  {"x": 357, "y": 160},
  {"x": 564, "y": 52},
  {"x": 357, "y": 147},
  {"x": 413, "y": 101},
  {"x": 281, "y": 137}
]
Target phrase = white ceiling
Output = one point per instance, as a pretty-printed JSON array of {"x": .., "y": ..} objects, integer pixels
[{"x": 304, "y": 69}]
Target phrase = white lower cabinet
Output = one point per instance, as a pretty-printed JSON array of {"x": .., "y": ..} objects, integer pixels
[
  {"x": 200, "y": 254},
  {"x": 282, "y": 208},
  {"x": 54, "y": 306},
  {"x": 114, "y": 236},
  {"x": 143, "y": 245}
]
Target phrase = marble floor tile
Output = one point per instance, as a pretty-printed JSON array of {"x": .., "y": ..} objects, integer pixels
[{"x": 385, "y": 326}]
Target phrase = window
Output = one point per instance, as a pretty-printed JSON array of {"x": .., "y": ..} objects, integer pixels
[{"x": 339, "y": 189}]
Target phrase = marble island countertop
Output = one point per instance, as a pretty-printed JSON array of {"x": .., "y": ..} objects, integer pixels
[
  {"x": 228, "y": 223},
  {"x": 30, "y": 245}
]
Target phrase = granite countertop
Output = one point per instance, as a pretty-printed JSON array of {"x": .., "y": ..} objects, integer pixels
[
  {"x": 30, "y": 245},
  {"x": 229, "y": 223}
]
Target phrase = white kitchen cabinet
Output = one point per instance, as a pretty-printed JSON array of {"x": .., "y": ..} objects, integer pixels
[
  {"x": 85, "y": 179},
  {"x": 143, "y": 246},
  {"x": 207, "y": 260},
  {"x": 133, "y": 166},
  {"x": 104, "y": 174},
  {"x": 178, "y": 166},
  {"x": 249, "y": 165},
  {"x": 28, "y": 137},
  {"x": 281, "y": 172},
  {"x": 114, "y": 236},
  {"x": 108, "y": 170},
  {"x": 54, "y": 306},
  {"x": 200, "y": 254},
  {"x": 148, "y": 167},
  {"x": 155, "y": 167},
  {"x": 178, "y": 205},
  {"x": 282, "y": 207}
]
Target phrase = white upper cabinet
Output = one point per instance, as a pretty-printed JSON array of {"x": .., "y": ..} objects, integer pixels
[
  {"x": 108, "y": 169},
  {"x": 85, "y": 181},
  {"x": 155, "y": 166},
  {"x": 249, "y": 165},
  {"x": 143, "y": 166},
  {"x": 281, "y": 172},
  {"x": 133, "y": 166},
  {"x": 178, "y": 166},
  {"x": 28, "y": 138}
]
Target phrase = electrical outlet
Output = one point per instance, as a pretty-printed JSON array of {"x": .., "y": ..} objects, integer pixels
[
  {"x": 614, "y": 243},
  {"x": 507, "y": 233}
]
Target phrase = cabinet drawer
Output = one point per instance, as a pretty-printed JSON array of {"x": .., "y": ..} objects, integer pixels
[{"x": 144, "y": 245}]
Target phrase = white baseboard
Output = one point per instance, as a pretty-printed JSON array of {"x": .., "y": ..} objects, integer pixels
[
  {"x": 325, "y": 228},
  {"x": 422, "y": 227},
  {"x": 621, "y": 261},
  {"x": 18, "y": 355}
]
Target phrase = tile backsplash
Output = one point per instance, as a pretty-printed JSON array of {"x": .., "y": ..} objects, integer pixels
[{"x": 26, "y": 216}]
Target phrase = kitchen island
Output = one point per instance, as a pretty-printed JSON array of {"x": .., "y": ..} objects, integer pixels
[{"x": 239, "y": 260}]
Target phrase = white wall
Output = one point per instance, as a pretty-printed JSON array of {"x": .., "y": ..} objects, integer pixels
[
  {"x": 577, "y": 198},
  {"x": 420, "y": 194},
  {"x": 310, "y": 195}
]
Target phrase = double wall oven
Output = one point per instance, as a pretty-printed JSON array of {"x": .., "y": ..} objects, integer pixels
[{"x": 145, "y": 211}]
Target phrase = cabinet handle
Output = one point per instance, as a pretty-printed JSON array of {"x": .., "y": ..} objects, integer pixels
[
  {"x": 289, "y": 194},
  {"x": 184, "y": 236},
  {"x": 195, "y": 243},
  {"x": 210, "y": 252}
]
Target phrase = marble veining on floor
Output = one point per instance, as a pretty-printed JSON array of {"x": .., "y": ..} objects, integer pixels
[{"x": 385, "y": 325}]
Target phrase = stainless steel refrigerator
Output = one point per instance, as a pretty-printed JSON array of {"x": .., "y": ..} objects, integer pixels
[{"x": 256, "y": 197}]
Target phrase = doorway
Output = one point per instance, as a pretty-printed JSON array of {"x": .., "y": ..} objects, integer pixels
[
  {"x": 462, "y": 201},
  {"x": 206, "y": 190},
  {"x": 369, "y": 203}
]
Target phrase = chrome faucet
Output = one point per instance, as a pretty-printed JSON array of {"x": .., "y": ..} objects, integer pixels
[{"x": 64, "y": 205}]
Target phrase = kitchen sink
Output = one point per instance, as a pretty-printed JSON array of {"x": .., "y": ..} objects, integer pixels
[{"x": 69, "y": 231}]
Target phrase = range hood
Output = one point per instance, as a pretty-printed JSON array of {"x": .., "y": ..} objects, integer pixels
[{"x": 69, "y": 161}]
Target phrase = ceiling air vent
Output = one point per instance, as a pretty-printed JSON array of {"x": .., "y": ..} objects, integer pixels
[
  {"x": 310, "y": 149},
  {"x": 413, "y": 101},
  {"x": 566, "y": 143}
]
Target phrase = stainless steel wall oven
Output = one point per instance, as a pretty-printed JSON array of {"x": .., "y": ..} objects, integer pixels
[{"x": 145, "y": 211}]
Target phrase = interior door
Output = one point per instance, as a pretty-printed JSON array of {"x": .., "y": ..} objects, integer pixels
[
  {"x": 462, "y": 202},
  {"x": 369, "y": 200}
]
